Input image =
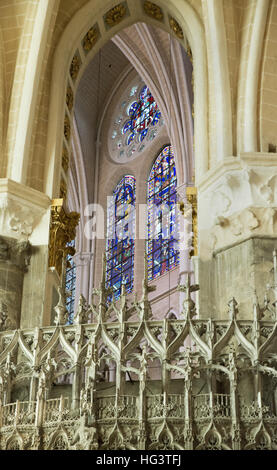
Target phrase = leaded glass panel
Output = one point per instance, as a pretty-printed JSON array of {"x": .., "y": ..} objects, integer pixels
[
  {"x": 120, "y": 236},
  {"x": 162, "y": 243},
  {"x": 70, "y": 284}
]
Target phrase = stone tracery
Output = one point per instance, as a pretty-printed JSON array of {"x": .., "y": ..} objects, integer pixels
[{"x": 205, "y": 411}]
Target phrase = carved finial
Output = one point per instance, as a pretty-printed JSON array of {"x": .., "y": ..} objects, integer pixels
[
  {"x": 145, "y": 287},
  {"x": 60, "y": 309},
  {"x": 188, "y": 303},
  {"x": 233, "y": 308},
  {"x": 81, "y": 315},
  {"x": 256, "y": 307}
]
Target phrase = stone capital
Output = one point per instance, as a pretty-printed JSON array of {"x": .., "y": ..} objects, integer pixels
[
  {"x": 82, "y": 258},
  {"x": 21, "y": 209},
  {"x": 237, "y": 200},
  {"x": 181, "y": 192}
]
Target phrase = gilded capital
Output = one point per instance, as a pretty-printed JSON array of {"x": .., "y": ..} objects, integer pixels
[{"x": 62, "y": 231}]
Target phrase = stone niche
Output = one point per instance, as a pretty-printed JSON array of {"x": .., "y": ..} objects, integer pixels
[{"x": 14, "y": 261}]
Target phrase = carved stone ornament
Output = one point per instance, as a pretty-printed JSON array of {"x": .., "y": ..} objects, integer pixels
[
  {"x": 61, "y": 310},
  {"x": 115, "y": 15},
  {"x": 189, "y": 53},
  {"x": 91, "y": 38},
  {"x": 69, "y": 97},
  {"x": 176, "y": 28},
  {"x": 196, "y": 415},
  {"x": 65, "y": 159},
  {"x": 67, "y": 129},
  {"x": 62, "y": 231},
  {"x": 15, "y": 252},
  {"x": 153, "y": 10},
  {"x": 18, "y": 220},
  {"x": 63, "y": 189},
  {"x": 75, "y": 66},
  {"x": 82, "y": 258}
]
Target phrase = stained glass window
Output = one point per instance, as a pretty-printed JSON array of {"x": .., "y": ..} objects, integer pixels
[
  {"x": 120, "y": 236},
  {"x": 162, "y": 243},
  {"x": 143, "y": 113},
  {"x": 135, "y": 122},
  {"x": 70, "y": 284}
]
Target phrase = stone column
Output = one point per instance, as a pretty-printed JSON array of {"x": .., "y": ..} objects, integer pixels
[
  {"x": 237, "y": 232},
  {"x": 82, "y": 261},
  {"x": 14, "y": 261},
  {"x": 187, "y": 224},
  {"x": 24, "y": 225}
]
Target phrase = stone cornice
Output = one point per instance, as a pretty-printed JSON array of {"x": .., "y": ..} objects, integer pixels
[{"x": 20, "y": 191}]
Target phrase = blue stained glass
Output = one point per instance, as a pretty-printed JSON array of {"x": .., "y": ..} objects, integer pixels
[
  {"x": 130, "y": 138},
  {"x": 162, "y": 245},
  {"x": 143, "y": 113},
  {"x": 126, "y": 127},
  {"x": 156, "y": 118},
  {"x": 133, "y": 108},
  {"x": 143, "y": 135},
  {"x": 143, "y": 92},
  {"x": 120, "y": 237},
  {"x": 70, "y": 284}
]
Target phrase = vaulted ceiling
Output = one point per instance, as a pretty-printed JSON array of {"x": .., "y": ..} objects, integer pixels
[{"x": 165, "y": 68}]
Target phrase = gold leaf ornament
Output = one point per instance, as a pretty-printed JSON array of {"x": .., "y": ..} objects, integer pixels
[
  {"x": 67, "y": 127},
  {"x": 153, "y": 10},
  {"x": 115, "y": 15},
  {"x": 176, "y": 28},
  {"x": 75, "y": 66},
  {"x": 90, "y": 38},
  {"x": 65, "y": 159},
  {"x": 69, "y": 98}
]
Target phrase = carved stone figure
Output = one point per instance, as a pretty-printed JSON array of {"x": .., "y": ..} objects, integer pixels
[
  {"x": 81, "y": 315},
  {"x": 85, "y": 437}
]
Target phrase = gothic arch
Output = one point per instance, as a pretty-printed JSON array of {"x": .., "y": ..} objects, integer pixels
[
  {"x": 59, "y": 440},
  {"x": 14, "y": 441},
  {"x": 71, "y": 41}
]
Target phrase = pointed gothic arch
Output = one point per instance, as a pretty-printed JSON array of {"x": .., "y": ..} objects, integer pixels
[{"x": 70, "y": 46}]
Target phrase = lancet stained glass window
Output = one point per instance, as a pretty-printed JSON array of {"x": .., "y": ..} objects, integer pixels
[
  {"x": 120, "y": 236},
  {"x": 162, "y": 243},
  {"x": 70, "y": 284}
]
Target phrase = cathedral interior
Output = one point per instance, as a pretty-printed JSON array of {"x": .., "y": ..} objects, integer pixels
[{"x": 138, "y": 218}]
